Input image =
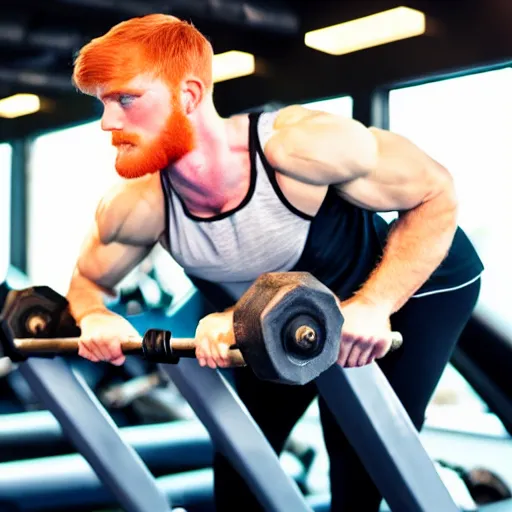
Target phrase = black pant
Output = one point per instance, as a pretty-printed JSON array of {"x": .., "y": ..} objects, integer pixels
[{"x": 430, "y": 327}]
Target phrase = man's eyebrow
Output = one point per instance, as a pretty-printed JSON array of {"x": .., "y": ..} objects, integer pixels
[{"x": 118, "y": 92}]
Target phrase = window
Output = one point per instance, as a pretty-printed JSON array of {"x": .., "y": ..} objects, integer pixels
[
  {"x": 466, "y": 124},
  {"x": 5, "y": 208},
  {"x": 69, "y": 171}
]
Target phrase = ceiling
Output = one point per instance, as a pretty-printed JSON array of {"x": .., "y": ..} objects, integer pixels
[{"x": 38, "y": 40}]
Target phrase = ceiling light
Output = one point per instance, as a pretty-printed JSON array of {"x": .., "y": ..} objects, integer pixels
[
  {"x": 376, "y": 29},
  {"x": 232, "y": 64},
  {"x": 19, "y": 105}
]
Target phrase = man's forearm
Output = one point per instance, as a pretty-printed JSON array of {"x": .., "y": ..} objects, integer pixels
[
  {"x": 416, "y": 246},
  {"x": 85, "y": 297}
]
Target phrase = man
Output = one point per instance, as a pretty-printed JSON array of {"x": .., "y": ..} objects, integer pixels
[{"x": 293, "y": 189}]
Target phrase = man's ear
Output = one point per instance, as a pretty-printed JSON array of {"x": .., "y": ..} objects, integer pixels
[{"x": 192, "y": 93}]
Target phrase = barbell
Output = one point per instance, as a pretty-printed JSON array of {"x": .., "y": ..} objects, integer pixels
[{"x": 287, "y": 329}]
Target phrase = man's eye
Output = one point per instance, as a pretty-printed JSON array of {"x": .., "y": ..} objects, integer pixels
[{"x": 126, "y": 99}]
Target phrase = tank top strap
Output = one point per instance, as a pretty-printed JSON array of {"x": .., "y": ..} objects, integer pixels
[{"x": 266, "y": 127}]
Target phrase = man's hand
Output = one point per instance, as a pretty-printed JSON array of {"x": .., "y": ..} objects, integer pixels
[
  {"x": 102, "y": 334},
  {"x": 366, "y": 333},
  {"x": 214, "y": 336}
]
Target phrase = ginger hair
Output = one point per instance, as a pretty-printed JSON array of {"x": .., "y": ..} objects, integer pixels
[{"x": 160, "y": 45}]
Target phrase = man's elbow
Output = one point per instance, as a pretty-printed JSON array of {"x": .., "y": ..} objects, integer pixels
[
  {"x": 444, "y": 194},
  {"x": 447, "y": 187}
]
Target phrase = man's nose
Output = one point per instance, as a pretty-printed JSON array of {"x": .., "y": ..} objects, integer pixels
[{"x": 111, "y": 119}]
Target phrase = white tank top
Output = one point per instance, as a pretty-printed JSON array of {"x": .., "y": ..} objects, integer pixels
[
  {"x": 262, "y": 234},
  {"x": 265, "y": 233}
]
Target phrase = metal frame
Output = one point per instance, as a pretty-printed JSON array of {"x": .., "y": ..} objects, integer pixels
[
  {"x": 237, "y": 436},
  {"x": 19, "y": 215},
  {"x": 361, "y": 399},
  {"x": 231, "y": 428},
  {"x": 367, "y": 410},
  {"x": 364, "y": 405},
  {"x": 383, "y": 435},
  {"x": 94, "y": 434}
]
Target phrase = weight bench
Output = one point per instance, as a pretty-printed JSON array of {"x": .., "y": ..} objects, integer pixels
[{"x": 361, "y": 399}]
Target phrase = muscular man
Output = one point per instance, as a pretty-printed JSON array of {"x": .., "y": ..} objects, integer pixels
[{"x": 288, "y": 190}]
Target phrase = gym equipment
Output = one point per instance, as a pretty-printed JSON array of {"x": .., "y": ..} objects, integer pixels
[
  {"x": 484, "y": 485},
  {"x": 377, "y": 426},
  {"x": 67, "y": 482},
  {"x": 93, "y": 433},
  {"x": 321, "y": 503},
  {"x": 300, "y": 322},
  {"x": 51, "y": 491},
  {"x": 86, "y": 424},
  {"x": 287, "y": 329},
  {"x": 384, "y": 437},
  {"x": 366, "y": 408},
  {"x": 164, "y": 447},
  {"x": 62, "y": 485},
  {"x": 121, "y": 395},
  {"x": 83, "y": 419},
  {"x": 41, "y": 311}
]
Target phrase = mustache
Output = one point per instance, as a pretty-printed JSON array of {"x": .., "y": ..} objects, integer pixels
[{"x": 119, "y": 138}]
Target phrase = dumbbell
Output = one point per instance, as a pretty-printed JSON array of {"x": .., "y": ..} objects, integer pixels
[{"x": 287, "y": 329}]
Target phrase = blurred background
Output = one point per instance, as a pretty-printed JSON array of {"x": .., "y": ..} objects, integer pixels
[{"x": 436, "y": 71}]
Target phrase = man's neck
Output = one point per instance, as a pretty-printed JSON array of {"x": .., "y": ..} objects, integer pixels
[{"x": 215, "y": 177}]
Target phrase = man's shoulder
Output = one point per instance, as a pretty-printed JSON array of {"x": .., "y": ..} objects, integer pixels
[
  {"x": 133, "y": 188},
  {"x": 129, "y": 202},
  {"x": 291, "y": 114}
]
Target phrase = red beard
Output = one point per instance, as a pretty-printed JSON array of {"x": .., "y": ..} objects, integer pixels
[{"x": 139, "y": 158}]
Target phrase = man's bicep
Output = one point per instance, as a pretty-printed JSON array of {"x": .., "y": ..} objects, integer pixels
[
  {"x": 404, "y": 176},
  {"x": 107, "y": 264}
]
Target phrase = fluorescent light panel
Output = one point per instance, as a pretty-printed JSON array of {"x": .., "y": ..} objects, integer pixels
[
  {"x": 232, "y": 64},
  {"x": 19, "y": 105},
  {"x": 376, "y": 29}
]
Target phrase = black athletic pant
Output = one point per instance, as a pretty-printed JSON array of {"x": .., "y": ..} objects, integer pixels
[{"x": 430, "y": 325}]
